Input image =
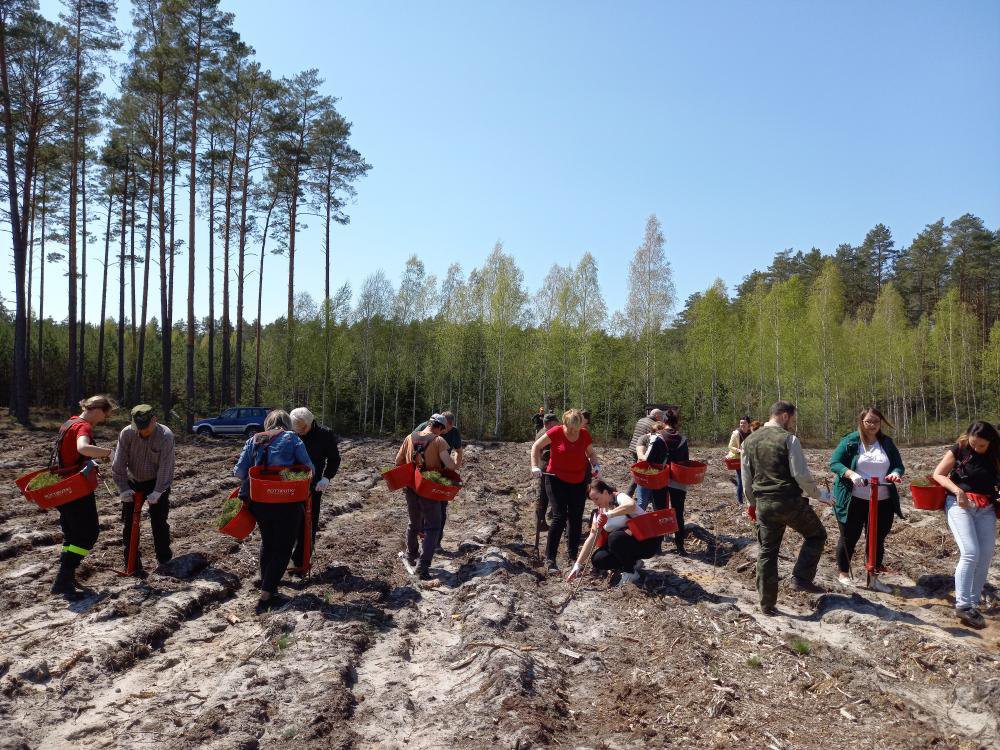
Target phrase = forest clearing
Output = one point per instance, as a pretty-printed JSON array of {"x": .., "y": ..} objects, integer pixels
[{"x": 491, "y": 653}]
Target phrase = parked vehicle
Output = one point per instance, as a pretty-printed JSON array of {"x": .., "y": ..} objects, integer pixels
[{"x": 240, "y": 420}]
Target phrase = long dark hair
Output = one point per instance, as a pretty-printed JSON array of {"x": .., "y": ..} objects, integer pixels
[
  {"x": 984, "y": 431},
  {"x": 873, "y": 410}
]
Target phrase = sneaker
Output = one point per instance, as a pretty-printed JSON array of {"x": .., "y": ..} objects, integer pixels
[
  {"x": 769, "y": 609},
  {"x": 616, "y": 578},
  {"x": 679, "y": 547},
  {"x": 424, "y": 573},
  {"x": 629, "y": 578},
  {"x": 971, "y": 616},
  {"x": 801, "y": 584},
  {"x": 638, "y": 567},
  {"x": 542, "y": 525},
  {"x": 876, "y": 585},
  {"x": 845, "y": 580},
  {"x": 551, "y": 568}
]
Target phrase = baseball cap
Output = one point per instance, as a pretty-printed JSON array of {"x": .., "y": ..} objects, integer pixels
[
  {"x": 550, "y": 417},
  {"x": 439, "y": 418},
  {"x": 142, "y": 415}
]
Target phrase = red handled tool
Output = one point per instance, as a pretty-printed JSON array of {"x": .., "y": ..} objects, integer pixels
[
  {"x": 133, "y": 541},
  {"x": 871, "y": 562}
]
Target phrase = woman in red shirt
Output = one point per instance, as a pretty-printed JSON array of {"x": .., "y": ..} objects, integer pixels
[
  {"x": 571, "y": 452},
  {"x": 78, "y": 519}
]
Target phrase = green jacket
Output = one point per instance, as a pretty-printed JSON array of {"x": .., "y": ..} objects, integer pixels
[{"x": 846, "y": 457}]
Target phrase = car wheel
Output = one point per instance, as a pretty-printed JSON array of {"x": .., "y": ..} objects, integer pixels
[
  {"x": 251, "y": 431},
  {"x": 204, "y": 431}
]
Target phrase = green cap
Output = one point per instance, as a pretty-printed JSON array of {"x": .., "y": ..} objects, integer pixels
[{"x": 142, "y": 415}]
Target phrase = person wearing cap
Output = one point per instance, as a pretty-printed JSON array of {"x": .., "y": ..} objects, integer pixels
[
  {"x": 542, "y": 504},
  {"x": 74, "y": 448},
  {"x": 453, "y": 437},
  {"x": 430, "y": 451},
  {"x": 321, "y": 445},
  {"x": 643, "y": 427},
  {"x": 144, "y": 463}
]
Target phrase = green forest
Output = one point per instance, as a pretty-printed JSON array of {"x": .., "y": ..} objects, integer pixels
[{"x": 103, "y": 195}]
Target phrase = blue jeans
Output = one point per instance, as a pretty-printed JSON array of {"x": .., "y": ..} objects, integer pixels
[
  {"x": 975, "y": 532},
  {"x": 739, "y": 487}
]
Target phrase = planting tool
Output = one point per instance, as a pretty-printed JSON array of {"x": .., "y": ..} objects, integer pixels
[
  {"x": 133, "y": 541},
  {"x": 870, "y": 563}
]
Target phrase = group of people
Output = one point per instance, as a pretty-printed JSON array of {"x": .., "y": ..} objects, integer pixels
[
  {"x": 142, "y": 462},
  {"x": 773, "y": 479}
]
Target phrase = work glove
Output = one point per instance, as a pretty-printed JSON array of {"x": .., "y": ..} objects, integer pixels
[
  {"x": 322, "y": 484},
  {"x": 153, "y": 498},
  {"x": 826, "y": 497},
  {"x": 752, "y": 512},
  {"x": 894, "y": 478},
  {"x": 574, "y": 572},
  {"x": 126, "y": 496},
  {"x": 597, "y": 470},
  {"x": 858, "y": 480},
  {"x": 536, "y": 472}
]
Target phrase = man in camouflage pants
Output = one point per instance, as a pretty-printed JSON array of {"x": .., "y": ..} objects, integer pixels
[{"x": 777, "y": 482}]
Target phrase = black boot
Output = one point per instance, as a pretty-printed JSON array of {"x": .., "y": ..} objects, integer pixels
[{"x": 65, "y": 582}]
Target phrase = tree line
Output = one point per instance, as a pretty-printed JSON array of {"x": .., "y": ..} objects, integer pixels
[{"x": 196, "y": 117}]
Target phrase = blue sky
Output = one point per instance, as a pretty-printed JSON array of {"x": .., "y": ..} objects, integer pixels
[{"x": 558, "y": 127}]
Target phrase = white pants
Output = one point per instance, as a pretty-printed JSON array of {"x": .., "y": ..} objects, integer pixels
[{"x": 975, "y": 531}]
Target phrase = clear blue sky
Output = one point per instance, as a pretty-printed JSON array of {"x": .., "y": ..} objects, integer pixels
[{"x": 558, "y": 127}]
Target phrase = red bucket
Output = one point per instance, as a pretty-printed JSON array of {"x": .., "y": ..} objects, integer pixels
[
  {"x": 400, "y": 477},
  {"x": 732, "y": 464},
  {"x": 77, "y": 483},
  {"x": 928, "y": 497},
  {"x": 434, "y": 491},
  {"x": 688, "y": 472},
  {"x": 650, "y": 481},
  {"x": 651, "y": 525},
  {"x": 242, "y": 524},
  {"x": 267, "y": 486}
]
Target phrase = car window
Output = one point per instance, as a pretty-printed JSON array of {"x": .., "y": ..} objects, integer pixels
[{"x": 228, "y": 414}]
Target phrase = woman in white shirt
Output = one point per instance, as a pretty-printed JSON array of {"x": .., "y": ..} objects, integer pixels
[
  {"x": 861, "y": 456},
  {"x": 616, "y": 549}
]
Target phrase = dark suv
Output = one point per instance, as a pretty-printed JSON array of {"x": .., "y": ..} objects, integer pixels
[{"x": 240, "y": 420}]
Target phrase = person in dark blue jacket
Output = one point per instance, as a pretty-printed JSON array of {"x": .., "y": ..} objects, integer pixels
[{"x": 279, "y": 523}]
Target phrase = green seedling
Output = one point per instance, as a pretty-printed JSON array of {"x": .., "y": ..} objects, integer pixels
[
  {"x": 43, "y": 480},
  {"x": 754, "y": 662},
  {"x": 801, "y": 646},
  {"x": 230, "y": 507},
  {"x": 295, "y": 476}
]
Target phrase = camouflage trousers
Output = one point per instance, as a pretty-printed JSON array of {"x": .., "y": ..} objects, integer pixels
[{"x": 773, "y": 516}]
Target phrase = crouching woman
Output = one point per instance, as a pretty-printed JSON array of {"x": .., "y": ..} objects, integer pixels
[{"x": 611, "y": 545}]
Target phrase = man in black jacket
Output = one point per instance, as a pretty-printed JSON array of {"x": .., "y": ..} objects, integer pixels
[{"x": 321, "y": 444}]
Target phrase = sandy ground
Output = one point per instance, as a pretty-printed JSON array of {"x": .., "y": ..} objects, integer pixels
[{"x": 489, "y": 654}]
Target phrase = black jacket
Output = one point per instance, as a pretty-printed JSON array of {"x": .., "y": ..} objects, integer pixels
[{"x": 321, "y": 444}]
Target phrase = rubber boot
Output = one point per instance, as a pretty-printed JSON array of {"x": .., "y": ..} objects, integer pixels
[{"x": 65, "y": 582}]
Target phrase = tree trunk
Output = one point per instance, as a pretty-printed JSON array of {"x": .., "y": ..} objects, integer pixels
[
  {"x": 212, "y": 400},
  {"x": 83, "y": 268},
  {"x": 121, "y": 283},
  {"x": 166, "y": 324},
  {"x": 241, "y": 263},
  {"x": 227, "y": 334},
  {"x": 189, "y": 382},
  {"x": 72, "y": 374},
  {"x": 260, "y": 297},
  {"x": 101, "y": 386},
  {"x": 41, "y": 292},
  {"x": 141, "y": 351}
]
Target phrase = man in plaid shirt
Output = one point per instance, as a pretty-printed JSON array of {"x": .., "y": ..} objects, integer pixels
[{"x": 144, "y": 462}]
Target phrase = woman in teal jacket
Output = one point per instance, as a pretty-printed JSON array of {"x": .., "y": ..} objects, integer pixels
[{"x": 860, "y": 456}]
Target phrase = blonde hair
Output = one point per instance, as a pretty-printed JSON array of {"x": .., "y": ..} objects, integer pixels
[
  {"x": 572, "y": 418},
  {"x": 98, "y": 402},
  {"x": 277, "y": 418},
  {"x": 657, "y": 426}
]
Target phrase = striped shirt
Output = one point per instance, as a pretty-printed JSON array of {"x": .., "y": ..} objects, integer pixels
[
  {"x": 141, "y": 459},
  {"x": 643, "y": 427}
]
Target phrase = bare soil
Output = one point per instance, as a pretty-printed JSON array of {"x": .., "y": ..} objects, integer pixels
[{"x": 489, "y": 654}]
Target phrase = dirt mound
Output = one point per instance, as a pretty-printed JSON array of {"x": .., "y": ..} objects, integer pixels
[{"x": 489, "y": 654}]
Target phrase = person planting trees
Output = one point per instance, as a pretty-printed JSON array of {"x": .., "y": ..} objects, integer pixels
[
  {"x": 430, "y": 451},
  {"x": 740, "y": 434},
  {"x": 777, "y": 482},
  {"x": 78, "y": 519},
  {"x": 643, "y": 427},
  {"x": 616, "y": 550},
  {"x": 321, "y": 445},
  {"x": 453, "y": 437},
  {"x": 280, "y": 523},
  {"x": 542, "y": 503},
  {"x": 676, "y": 452},
  {"x": 652, "y": 448},
  {"x": 865, "y": 454},
  {"x": 571, "y": 448},
  {"x": 970, "y": 472},
  {"x": 144, "y": 463}
]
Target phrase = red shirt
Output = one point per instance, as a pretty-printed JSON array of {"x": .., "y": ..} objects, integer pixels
[
  {"x": 68, "y": 454},
  {"x": 568, "y": 460}
]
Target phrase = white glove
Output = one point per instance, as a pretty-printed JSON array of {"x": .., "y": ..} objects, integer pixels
[
  {"x": 153, "y": 497},
  {"x": 322, "y": 484},
  {"x": 126, "y": 496},
  {"x": 859, "y": 481},
  {"x": 574, "y": 572},
  {"x": 535, "y": 471},
  {"x": 826, "y": 497},
  {"x": 597, "y": 470}
]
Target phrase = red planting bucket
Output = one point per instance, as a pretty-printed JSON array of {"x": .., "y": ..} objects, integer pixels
[
  {"x": 242, "y": 524},
  {"x": 655, "y": 481},
  {"x": 651, "y": 525},
  {"x": 267, "y": 486},
  {"x": 77, "y": 483},
  {"x": 928, "y": 497},
  {"x": 400, "y": 477},
  {"x": 688, "y": 472},
  {"x": 732, "y": 464},
  {"x": 434, "y": 491}
]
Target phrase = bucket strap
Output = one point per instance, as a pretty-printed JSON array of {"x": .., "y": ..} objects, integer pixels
[{"x": 55, "y": 458}]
